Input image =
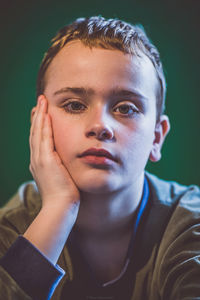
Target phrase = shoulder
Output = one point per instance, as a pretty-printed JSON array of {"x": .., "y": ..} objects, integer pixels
[
  {"x": 172, "y": 208},
  {"x": 18, "y": 213},
  {"x": 176, "y": 266},
  {"x": 171, "y": 193},
  {"x": 173, "y": 215},
  {"x": 27, "y": 197},
  {"x": 176, "y": 207}
]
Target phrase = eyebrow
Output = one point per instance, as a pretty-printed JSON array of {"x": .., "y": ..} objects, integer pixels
[
  {"x": 127, "y": 93},
  {"x": 81, "y": 91}
]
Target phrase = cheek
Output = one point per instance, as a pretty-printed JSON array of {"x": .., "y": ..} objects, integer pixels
[
  {"x": 64, "y": 132},
  {"x": 137, "y": 143},
  {"x": 61, "y": 130}
]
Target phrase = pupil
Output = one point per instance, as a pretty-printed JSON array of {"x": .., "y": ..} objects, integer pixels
[
  {"x": 76, "y": 105},
  {"x": 124, "y": 109}
]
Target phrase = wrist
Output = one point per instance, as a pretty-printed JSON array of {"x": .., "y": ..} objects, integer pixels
[
  {"x": 51, "y": 228},
  {"x": 60, "y": 203}
]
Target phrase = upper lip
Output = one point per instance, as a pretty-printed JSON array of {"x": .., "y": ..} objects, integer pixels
[{"x": 98, "y": 152}]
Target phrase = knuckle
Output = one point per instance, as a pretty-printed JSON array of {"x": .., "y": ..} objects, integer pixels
[
  {"x": 46, "y": 160},
  {"x": 30, "y": 139},
  {"x": 42, "y": 161},
  {"x": 31, "y": 169}
]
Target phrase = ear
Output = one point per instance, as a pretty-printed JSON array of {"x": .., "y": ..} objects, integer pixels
[
  {"x": 33, "y": 110},
  {"x": 161, "y": 130}
]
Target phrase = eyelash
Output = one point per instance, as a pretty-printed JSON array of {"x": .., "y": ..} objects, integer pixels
[
  {"x": 77, "y": 111},
  {"x": 66, "y": 105}
]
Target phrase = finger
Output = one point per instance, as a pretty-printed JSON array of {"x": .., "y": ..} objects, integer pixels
[
  {"x": 37, "y": 126},
  {"x": 40, "y": 111},
  {"x": 34, "y": 114},
  {"x": 47, "y": 145},
  {"x": 34, "y": 134},
  {"x": 39, "y": 116},
  {"x": 32, "y": 148}
]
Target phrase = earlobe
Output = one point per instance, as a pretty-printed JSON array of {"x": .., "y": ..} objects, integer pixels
[
  {"x": 161, "y": 130},
  {"x": 155, "y": 154}
]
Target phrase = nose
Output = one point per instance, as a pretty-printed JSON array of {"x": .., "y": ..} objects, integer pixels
[
  {"x": 99, "y": 127},
  {"x": 100, "y": 132}
]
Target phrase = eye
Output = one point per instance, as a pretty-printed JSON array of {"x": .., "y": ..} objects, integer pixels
[
  {"x": 74, "y": 107},
  {"x": 126, "y": 109}
]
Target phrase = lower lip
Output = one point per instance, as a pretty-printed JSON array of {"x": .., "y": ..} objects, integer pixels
[{"x": 97, "y": 160}]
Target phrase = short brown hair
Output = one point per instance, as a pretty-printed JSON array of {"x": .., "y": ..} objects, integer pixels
[{"x": 111, "y": 34}]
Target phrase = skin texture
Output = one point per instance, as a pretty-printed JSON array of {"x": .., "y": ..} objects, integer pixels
[
  {"x": 102, "y": 70},
  {"x": 98, "y": 200}
]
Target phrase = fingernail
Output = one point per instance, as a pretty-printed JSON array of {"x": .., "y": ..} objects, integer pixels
[{"x": 42, "y": 102}]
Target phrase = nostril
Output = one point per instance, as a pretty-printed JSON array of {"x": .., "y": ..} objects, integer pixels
[
  {"x": 101, "y": 133},
  {"x": 105, "y": 134},
  {"x": 91, "y": 133}
]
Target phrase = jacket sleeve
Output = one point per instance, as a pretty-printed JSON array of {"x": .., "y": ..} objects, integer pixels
[
  {"x": 9, "y": 289},
  {"x": 29, "y": 271},
  {"x": 178, "y": 263},
  {"x": 25, "y": 273}
]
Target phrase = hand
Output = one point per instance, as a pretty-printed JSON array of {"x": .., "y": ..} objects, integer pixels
[
  {"x": 53, "y": 179},
  {"x": 60, "y": 196}
]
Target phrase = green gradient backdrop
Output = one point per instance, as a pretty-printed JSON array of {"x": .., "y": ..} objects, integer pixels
[{"x": 25, "y": 31}]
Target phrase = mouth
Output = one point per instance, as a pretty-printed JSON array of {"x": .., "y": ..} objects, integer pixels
[{"x": 98, "y": 156}]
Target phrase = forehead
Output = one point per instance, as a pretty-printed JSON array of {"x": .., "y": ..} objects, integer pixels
[{"x": 100, "y": 69}]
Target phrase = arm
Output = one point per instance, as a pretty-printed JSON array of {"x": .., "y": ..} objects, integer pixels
[
  {"x": 178, "y": 263},
  {"x": 9, "y": 289},
  {"x": 23, "y": 268},
  {"x": 60, "y": 197},
  {"x": 180, "y": 272},
  {"x": 49, "y": 231}
]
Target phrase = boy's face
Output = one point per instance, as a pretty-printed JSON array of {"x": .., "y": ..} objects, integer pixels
[{"x": 117, "y": 112}]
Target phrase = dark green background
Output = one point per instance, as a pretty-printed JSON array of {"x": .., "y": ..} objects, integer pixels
[{"x": 25, "y": 31}]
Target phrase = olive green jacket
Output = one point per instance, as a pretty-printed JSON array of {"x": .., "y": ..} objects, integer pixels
[{"x": 168, "y": 266}]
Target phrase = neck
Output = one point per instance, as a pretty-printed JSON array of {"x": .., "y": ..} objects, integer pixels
[{"x": 109, "y": 215}]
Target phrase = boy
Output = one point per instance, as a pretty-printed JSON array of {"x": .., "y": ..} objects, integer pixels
[{"x": 116, "y": 231}]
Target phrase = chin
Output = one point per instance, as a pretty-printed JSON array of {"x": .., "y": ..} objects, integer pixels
[{"x": 97, "y": 186}]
